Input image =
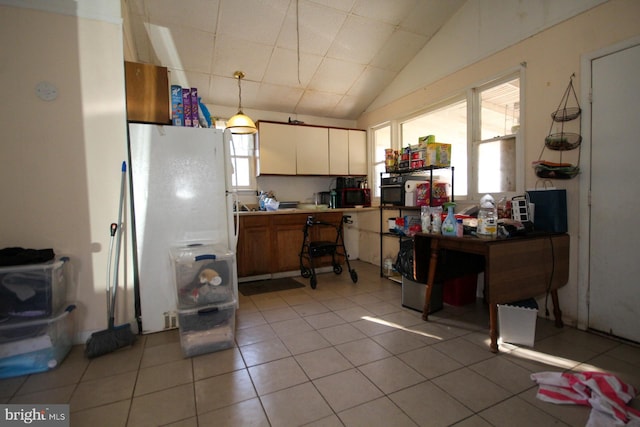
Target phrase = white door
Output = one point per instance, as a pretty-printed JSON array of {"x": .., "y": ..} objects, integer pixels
[{"x": 614, "y": 276}]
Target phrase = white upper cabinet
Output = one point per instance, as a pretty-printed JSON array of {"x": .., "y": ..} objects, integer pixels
[
  {"x": 357, "y": 152},
  {"x": 338, "y": 151},
  {"x": 312, "y": 150},
  {"x": 286, "y": 149},
  {"x": 277, "y": 149}
]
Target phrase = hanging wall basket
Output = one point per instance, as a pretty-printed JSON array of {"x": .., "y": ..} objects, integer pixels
[
  {"x": 551, "y": 170},
  {"x": 566, "y": 114},
  {"x": 561, "y": 140}
]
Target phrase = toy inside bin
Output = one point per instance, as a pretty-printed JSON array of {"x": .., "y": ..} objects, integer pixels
[{"x": 203, "y": 274}]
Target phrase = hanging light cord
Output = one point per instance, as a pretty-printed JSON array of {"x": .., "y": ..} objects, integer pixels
[
  {"x": 298, "y": 36},
  {"x": 239, "y": 93}
]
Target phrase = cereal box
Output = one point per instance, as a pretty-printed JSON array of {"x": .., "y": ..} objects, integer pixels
[
  {"x": 177, "y": 111},
  {"x": 438, "y": 154},
  {"x": 195, "y": 120},
  {"x": 186, "y": 102}
]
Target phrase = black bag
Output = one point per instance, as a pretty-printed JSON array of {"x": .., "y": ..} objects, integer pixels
[
  {"x": 550, "y": 209},
  {"x": 404, "y": 260}
]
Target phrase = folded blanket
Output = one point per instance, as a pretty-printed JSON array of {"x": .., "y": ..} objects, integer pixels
[
  {"x": 605, "y": 393},
  {"x": 21, "y": 256}
]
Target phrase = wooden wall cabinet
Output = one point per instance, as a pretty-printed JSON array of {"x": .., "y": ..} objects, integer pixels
[{"x": 147, "y": 93}]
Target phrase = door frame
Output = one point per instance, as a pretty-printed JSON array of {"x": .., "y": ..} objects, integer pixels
[{"x": 584, "y": 235}]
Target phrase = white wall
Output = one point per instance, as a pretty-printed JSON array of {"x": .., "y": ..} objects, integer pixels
[
  {"x": 479, "y": 29},
  {"x": 60, "y": 159},
  {"x": 551, "y": 57}
]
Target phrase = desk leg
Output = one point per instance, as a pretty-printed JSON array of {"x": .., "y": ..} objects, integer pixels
[
  {"x": 556, "y": 309},
  {"x": 433, "y": 262},
  {"x": 493, "y": 327}
]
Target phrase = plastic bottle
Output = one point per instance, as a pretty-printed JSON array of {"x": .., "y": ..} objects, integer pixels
[
  {"x": 450, "y": 225},
  {"x": 388, "y": 266},
  {"x": 333, "y": 199},
  {"x": 487, "y": 218},
  {"x": 460, "y": 228},
  {"x": 436, "y": 219},
  {"x": 425, "y": 218}
]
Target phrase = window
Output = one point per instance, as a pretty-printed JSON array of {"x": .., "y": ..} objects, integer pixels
[
  {"x": 243, "y": 161},
  {"x": 482, "y": 126},
  {"x": 381, "y": 141},
  {"x": 496, "y": 148},
  {"x": 449, "y": 125}
]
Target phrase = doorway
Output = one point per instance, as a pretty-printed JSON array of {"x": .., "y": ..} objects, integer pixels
[{"x": 610, "y": 194}]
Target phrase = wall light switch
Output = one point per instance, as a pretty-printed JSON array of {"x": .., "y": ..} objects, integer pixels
[{"x": 46, "y": 91}]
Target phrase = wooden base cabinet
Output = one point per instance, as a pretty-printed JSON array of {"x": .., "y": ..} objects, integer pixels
[
  {"x": 269, "y": 244},
  {"x": 254, "y": 246}
]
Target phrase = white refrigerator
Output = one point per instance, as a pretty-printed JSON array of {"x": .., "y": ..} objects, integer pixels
[{"x": 179, "y": 181}]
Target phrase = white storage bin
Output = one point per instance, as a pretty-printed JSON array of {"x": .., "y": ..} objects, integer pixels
[
  {"x": 33, "y": 290},
  {"x": 203, "y": 274},
  {"x": 37, "y": 345},
  {"x": 207, "y": 329},
  {"x": 517, "y": 325}
]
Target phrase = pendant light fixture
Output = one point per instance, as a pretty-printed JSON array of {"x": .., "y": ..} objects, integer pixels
[{"x": 241, "y": 124}]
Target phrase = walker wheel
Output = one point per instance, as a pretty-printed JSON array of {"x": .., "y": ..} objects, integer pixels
[
  {"x": 354, "y": 276},
  {"x": 337, "y": 269},
  {"x": 305, "y": 272},
  {"x": 314, "y": 282}
]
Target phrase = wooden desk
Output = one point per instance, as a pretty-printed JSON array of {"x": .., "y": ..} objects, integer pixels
[{"x": 514, "y": 269}]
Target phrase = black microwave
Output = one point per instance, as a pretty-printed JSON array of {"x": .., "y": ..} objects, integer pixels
[
  {"x": 352, "y": 197},
  {"x": 392, "y": 191},
  {"x": 392, "y": 195}
]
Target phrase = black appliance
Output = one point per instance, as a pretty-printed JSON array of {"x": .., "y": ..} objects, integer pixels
[
  {"x": 324, "y": 197},
  {"x": 392, "y": 190},
  {"x": 352, "y": 197},
  {"x": 343, "y": 182}
]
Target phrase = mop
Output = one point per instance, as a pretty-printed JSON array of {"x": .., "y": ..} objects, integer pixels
[{"x": 114, "y": 337}]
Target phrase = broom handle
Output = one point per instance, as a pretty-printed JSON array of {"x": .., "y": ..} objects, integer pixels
[
  {"x": 112, "y": 232},
  {"x": 118, "y": 243}
]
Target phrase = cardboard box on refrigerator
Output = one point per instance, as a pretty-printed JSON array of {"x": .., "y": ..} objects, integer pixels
[
  {"x": 177, "y": 109},
  {"x": 186, "y": 104},
  {"x": 195, "y": 121}
]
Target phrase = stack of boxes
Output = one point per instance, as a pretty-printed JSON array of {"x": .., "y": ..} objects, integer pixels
[
  {"x": 185, "y": 106},
  {"x": 427, "y": 153},
  {"x": 206, "y": 299},
  {"x": 36, "y": 321}
]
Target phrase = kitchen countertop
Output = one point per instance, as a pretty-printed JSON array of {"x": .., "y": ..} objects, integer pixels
[{"x": 305, "y": 211}]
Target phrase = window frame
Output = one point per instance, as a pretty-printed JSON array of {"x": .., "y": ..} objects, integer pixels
[
  {"x": 375, "y": 176},
  {"x": 472, "y": 96},
  {"x": 251, "y": 159}
]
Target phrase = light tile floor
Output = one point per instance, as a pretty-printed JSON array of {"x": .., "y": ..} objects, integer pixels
[{"x": 342, "y": 354}]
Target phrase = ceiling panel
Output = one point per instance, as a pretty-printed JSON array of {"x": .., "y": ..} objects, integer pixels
[{"x": 327, "y": 58}]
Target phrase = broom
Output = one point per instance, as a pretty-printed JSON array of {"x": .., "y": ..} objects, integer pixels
[{"x": 114, "y": 337}]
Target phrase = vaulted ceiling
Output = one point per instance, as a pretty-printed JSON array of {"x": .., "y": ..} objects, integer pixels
[{"x": 328, "y": 58}]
